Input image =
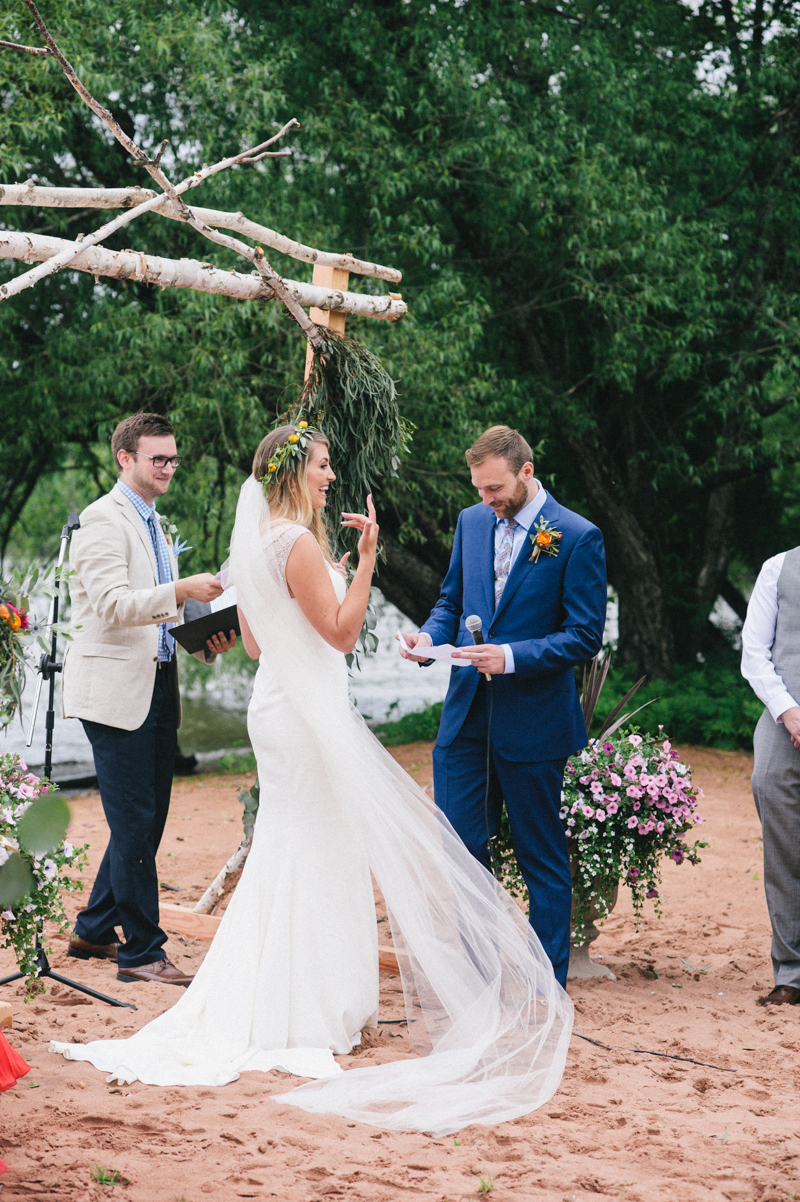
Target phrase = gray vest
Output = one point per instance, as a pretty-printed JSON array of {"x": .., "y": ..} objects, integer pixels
[{"x": 786, "y": 646}]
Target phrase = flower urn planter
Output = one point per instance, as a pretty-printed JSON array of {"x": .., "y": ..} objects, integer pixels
[{"x": 581, "y": 966}]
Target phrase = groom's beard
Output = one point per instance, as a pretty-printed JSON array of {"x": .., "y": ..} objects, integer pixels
[{"x": 512, "y": 506}]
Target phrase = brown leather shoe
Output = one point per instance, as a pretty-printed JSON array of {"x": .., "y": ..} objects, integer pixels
[
  {"x": 161, "y": 970},
  {"x": 92, "y": 951},
  {"x": 782, "y": 995}
]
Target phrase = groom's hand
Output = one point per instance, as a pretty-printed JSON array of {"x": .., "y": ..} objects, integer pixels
[
  {"x": 416, "y": 640},
  {"x": 489, "y": 658}
]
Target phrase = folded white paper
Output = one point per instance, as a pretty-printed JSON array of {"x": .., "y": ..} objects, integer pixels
[
  {"x": 224, "y": 600},
  {"x": 443, "y": 653}
]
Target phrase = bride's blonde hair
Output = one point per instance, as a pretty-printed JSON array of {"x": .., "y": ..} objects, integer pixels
[{"x": 287, "y": 492}]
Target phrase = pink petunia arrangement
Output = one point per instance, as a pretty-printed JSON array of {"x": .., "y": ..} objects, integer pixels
[{"x": 628, "y": 803}]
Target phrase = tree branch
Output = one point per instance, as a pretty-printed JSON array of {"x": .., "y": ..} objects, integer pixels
[
  {"x": 730, "y": 191},
  {"x": 27, "y": 49},
  {"x": 124, "y": 198},
  {"x": 49, "y": 266},
  {"x": 189, "y": 273},
  {"x": 256, "y": 257}
]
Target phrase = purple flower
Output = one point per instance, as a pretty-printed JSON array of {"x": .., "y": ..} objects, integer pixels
[
  {"x": 588, "y": 812},
  {"x": 677, "y": 855},
  {"x": 608, "y": 748},
  {"x": 611, "y": 807},
  {"x": 632, "y": 822},
  {"x": 651, "y": 893},
  {"x": 634, "y": 740},
  {"x": 615, "y": 780},
  {"x": 600, "y": 815},
  {"x": 634, "y": 872}
]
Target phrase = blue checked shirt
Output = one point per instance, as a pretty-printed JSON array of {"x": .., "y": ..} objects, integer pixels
[{"x": 166, "y": 643}]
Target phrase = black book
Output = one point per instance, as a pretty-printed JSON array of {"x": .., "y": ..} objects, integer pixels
[{"x": 192, "y": 636}]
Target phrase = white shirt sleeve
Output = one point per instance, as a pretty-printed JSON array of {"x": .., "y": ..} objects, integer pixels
[
  {"x": 509, "y": 654},
  {"x": 758, "y": 635}
]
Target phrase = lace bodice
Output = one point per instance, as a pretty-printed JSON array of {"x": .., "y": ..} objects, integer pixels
[{"x": 280, "y": 540}]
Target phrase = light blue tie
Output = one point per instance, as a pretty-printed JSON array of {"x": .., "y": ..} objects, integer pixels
[{"x": 502, "y": 559}]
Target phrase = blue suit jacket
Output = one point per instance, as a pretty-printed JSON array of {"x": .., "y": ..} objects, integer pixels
[{"x": 552, "y": 612}]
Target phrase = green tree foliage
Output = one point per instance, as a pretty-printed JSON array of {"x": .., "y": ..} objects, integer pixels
[{"x": 595, "y": 209}]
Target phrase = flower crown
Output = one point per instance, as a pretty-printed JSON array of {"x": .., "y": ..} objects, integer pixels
[{"x": 291, "y": 453}]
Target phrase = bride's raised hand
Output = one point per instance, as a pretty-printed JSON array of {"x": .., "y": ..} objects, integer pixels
[{"x": 368, "y": 525}]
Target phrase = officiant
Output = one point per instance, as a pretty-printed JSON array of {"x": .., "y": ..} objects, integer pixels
[{"x": 121, "y": 681}]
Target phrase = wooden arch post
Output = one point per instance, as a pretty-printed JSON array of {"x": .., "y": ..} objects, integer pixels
[{"x": 335, "y": 279}]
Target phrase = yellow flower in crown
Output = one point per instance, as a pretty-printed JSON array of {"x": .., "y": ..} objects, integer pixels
[{"x": 291, "y": 453}]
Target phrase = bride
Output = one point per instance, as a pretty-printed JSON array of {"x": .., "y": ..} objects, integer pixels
[{"x": 291, "y": 978}]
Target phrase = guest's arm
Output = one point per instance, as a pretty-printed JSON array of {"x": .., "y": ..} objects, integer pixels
[
  {"x": 99, "y": 557},
  {"x": 758, "y": 635}
]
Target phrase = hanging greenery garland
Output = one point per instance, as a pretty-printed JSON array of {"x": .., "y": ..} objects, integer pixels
[{"x": 350, "y": 396}]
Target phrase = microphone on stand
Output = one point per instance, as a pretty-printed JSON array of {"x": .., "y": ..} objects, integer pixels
[{"x": 475, "y": 626}]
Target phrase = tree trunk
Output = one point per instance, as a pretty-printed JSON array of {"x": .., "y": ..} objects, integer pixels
[
  {"x": 716, "y": 555},
  {"x": 645, "y": 638}
]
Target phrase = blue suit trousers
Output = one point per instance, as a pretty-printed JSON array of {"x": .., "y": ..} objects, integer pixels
[
  {"x": 134, "y": 770},
  {"x": 532, "y": 795}
]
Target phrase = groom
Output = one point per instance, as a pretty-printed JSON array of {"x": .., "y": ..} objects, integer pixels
[{"x": 534, "y": 573}]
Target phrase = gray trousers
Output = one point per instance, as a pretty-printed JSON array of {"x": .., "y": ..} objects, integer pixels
[{"x": 776, "y": 789}]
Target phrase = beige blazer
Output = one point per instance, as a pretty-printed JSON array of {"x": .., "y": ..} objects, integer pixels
[{"x": 118, "y": 604}]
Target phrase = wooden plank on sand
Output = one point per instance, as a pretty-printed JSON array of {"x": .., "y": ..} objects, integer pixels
[
  {"x": 186, "y": 922},
  {"x": 6, "y": 1014}
]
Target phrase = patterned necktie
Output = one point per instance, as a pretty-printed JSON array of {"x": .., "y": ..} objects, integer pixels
[
  {"x": 166, "y": 643},
  {"x": 502, "y": 559}
]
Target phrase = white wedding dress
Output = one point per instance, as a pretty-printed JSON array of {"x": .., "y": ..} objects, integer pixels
[{"x": 291, "y": 977}]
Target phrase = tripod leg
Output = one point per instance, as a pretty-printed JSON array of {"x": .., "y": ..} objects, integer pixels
[
  {"x": 101, "y": 997},
  {"x": 15, "y": 976}
]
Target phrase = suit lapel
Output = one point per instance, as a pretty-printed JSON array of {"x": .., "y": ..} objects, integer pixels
[
  {"x": 129, "y": 512},
  {"x": 487, "y": 558},
  {"x": 522, "y": 565}
]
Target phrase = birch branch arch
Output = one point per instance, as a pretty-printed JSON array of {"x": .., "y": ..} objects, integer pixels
[{"x": 327, "y": 296}]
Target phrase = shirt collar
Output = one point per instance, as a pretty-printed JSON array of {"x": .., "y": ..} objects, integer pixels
[
  {"x": 529, "y": 513},
  {"x": 142, "y": 508}
]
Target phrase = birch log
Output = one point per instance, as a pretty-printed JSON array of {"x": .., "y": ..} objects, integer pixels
[
  {"x": 126, "y": 198},
  {"x": 189, "y": 273},
  {"x": 217, "y": 887}
]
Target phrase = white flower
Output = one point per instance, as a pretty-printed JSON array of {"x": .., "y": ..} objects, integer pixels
[
  {"x": 67, "y": 849},
  {"x": 49, "y": 868},
  {"x": 7, "y": 915},
  {"x": 4, "y": 854}
]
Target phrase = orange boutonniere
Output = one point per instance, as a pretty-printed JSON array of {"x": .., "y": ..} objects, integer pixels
[{"x": 545, "y": 538}]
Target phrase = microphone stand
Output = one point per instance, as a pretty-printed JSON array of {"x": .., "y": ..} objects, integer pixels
[
  {"x": 475, "y": 627},
  {"x": 48, "y": 667}
]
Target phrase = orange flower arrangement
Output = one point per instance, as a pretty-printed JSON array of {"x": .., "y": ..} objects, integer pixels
[{"x": 545, "y": 539}]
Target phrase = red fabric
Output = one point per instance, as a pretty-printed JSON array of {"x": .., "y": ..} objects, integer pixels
[
  {"x": 3, "y": 1167},
  {"x": 12, "y": 1067}
]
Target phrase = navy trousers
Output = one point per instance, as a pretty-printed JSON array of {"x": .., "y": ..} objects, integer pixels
[
  {"x": 134, "y": 771},
  {"x": 532, "y": 795}
]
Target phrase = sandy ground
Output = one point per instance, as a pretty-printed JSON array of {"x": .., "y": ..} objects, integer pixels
[{"x": 624, "y": 1124}]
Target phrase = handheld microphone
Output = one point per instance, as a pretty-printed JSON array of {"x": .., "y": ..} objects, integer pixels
[{"x": 475, "y": 626}]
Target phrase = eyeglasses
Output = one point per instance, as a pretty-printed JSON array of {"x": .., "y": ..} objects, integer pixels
[{"x": 160, "y": 461}]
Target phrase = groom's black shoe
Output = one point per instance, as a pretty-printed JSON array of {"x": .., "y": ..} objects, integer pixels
[
  {"x": 160, "y": 970},
  {"x": 92, "y": 951},
  {"x": 782, "y": 995}
]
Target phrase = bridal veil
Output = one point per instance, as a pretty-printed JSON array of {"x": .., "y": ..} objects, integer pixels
[{"x": 485, "y": 1013}]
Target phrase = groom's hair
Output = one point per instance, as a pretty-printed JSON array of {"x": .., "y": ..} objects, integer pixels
[
  {"x": 503, "y": 441},
  {"x": 128, "y": 432}
]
